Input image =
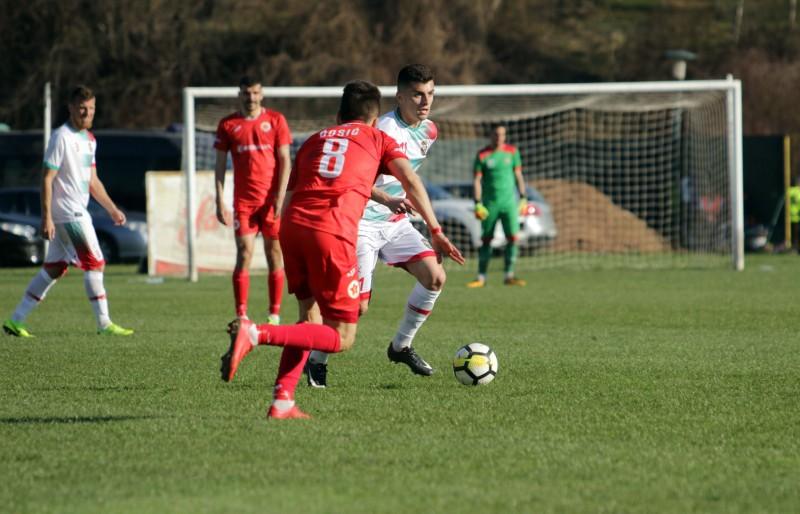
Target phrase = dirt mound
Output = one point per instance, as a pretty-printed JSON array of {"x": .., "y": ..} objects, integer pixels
[{"x": 588, "y": 221}]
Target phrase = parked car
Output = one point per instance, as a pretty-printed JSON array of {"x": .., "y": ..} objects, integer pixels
[
  {"x": 119, "y": 243},
  {"x": 455, "y": 208},
  {"x": 20, "y": 244}
]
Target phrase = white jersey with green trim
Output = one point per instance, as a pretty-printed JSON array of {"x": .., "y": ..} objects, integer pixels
[
  {"x": 72, "y": 154},
  {"x": 415, "y": 142}
]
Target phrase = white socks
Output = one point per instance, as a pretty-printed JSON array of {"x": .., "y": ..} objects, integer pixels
[
  {"x": 33, "y": 295},
  {"x": 318, "y": 357},
  {"x": 252, "y": 334},
  {"x": 41, "y": 284},
  {"x": 93, "y": 282},
  {"x": 420, "y": 305},
  {"x": 281, "y": 400}
]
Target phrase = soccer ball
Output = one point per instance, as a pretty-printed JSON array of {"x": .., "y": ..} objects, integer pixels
[{"x": 475, "y": 364}]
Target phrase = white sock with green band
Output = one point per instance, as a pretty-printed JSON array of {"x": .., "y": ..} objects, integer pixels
[
  {"x": 93, "y": 282},
  {"x": 34, "y": 294}
]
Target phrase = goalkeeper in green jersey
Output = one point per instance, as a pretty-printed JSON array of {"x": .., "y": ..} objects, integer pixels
[{"x": 498, "y": 178}]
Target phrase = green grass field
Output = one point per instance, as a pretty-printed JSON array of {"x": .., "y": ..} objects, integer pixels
[{"x": 618, "y": 391}]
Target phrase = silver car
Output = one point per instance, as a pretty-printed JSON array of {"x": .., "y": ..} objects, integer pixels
[
  {"x": 455, "y": 208},
  {"x": 119, "y": 243}
]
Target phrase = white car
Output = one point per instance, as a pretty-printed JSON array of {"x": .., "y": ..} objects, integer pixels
[{"x": 455, "y": 209}]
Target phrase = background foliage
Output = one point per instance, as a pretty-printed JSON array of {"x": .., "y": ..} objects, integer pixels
[{"x": 138, "y": 54}]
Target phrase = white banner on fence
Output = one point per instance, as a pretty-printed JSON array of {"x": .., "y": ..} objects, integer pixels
[{"x": 166, "y": 225}]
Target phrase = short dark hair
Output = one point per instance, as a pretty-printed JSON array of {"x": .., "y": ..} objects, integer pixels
[
  {"x": 249, "y": 81},
  {"x": 496, "y": 125},
  {"x": 414, "y": 73},
  {"x": 80, "y": 94},
  {"x": 361, "y": 100}
]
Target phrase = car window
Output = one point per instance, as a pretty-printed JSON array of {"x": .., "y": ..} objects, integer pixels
[
  {"x": 6, "y": 203},
  {"x": 459, "y": 190},
  {"x": 95, "y": 209},
  {"x": 464, "y": 191},
  {"x": 13, "y": 203},
  {"x": 33, "y": 203},
  {"x": 534, "y": 195},
  {"x": 436, "y": 192}
]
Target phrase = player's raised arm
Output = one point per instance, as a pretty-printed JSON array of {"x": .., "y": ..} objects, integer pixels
[{"x": 412, "y": 184}]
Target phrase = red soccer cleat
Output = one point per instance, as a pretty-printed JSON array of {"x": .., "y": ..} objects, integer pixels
[
  {"x": 240, "y": 346},
  {"x": 293, "y": 412}
]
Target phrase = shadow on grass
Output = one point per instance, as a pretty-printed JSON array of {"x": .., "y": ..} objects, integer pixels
[
  {"x": 105, "y": 389},
  {"x": 56, "y": 420},
  {"x": 124, "y": 389}
]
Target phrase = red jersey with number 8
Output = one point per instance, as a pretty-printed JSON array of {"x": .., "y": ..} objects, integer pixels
[{"x": 333, "y": 176}]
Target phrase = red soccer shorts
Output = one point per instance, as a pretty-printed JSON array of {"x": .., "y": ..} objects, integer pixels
[
  {"x": 254, "y": 219},
  {"x": 322, "y": 266}
]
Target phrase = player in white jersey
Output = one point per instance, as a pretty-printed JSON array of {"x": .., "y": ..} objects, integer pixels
[
  {"x": 68, "y": 178},
  {"x": 386, "y": 233}
]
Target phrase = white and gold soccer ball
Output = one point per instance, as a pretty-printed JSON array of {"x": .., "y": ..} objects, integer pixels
[{"x": 475, "y": 364}]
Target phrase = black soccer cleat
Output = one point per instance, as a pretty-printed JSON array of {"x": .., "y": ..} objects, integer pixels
[
  {"x": 411, "y": 358},
  {"x": 317, "y": 373}
]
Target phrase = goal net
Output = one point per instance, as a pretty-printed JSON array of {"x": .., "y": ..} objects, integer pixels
[{"x": 620, "y": 175}]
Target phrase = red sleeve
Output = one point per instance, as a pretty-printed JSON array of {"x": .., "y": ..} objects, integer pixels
[
  {"x": 283, "y": 134},
  {"x": 221, "y": 142},
  {"x": 295, "y": 169},
  {"x": 293, "y": 174},
  {"x": 292, "y": 178},
  {"x": 433, "y": 131},
  {"x": 389, "y": 152}
]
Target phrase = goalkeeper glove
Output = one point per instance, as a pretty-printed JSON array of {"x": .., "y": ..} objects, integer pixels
[
  {"x": 481, "y": 212},
  {"x": 523, "y": 206}
]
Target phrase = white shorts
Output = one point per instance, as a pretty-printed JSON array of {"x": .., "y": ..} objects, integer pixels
[
  {"x": 75, "y": 243},
  {"x": 396, "y": 243}
]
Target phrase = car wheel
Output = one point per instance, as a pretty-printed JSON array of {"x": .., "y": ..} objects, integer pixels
[{"x": 108, "y": 247}]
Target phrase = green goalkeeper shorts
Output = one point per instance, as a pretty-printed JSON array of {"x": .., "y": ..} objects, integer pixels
[{"x": 507, "y": 214}]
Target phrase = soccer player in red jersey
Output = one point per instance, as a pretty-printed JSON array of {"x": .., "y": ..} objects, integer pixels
[
  {"x": 329, "y": 187},
  {"x": 390, "y": 237},
  {"x": 258, "y": 140}
]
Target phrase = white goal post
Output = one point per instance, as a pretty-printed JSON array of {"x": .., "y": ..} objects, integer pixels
[{"x": 638, "y": 174}]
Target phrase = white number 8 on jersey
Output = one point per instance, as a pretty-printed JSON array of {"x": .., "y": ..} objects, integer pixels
[{"x": 332, "y": 162}]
